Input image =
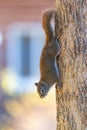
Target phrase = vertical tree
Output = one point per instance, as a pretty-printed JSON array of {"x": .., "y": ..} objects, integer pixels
[{"x": 71, "y": 29}]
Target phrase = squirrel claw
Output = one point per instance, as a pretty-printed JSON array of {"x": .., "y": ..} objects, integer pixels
[{"x": 59, "y": 85}]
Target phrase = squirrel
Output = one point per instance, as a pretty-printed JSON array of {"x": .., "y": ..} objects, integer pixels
[{"x": 48, "y": 65}]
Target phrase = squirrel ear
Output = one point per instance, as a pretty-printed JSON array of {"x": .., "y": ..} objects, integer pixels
[{"x": 36, "y": 84}]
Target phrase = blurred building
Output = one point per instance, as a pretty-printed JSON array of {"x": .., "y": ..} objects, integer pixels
[{"x": 21, "y": 40}]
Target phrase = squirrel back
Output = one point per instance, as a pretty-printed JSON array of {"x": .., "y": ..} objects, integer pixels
[{"x": 46, "y": 23}]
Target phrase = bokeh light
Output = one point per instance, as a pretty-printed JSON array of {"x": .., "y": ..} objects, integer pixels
[
  {"x": 1, "y": 38},
  {"x": 9, "y": 81}
]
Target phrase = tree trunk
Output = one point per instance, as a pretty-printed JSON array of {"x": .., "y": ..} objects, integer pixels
[{"x": 71, "y": 30}]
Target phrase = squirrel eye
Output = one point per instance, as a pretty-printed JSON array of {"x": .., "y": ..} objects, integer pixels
[{"x": 42, "y": 90}]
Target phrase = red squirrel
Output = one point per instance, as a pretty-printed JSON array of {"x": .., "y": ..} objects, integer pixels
[{"x": 48, "y": 66}]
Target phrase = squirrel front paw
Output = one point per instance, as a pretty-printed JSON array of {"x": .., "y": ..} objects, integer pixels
[{"x": 58, "y": 85}]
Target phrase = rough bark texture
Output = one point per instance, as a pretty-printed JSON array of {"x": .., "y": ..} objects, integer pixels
[{"x": 71, "y": 29}]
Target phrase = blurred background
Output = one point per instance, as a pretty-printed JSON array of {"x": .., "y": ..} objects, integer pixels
[{"x": 21, "y": 42}]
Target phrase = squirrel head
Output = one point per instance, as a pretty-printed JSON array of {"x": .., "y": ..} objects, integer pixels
[{"x": 42, "y": 89}]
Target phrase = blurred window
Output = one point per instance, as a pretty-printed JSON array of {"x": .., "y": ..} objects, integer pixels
[{"x": 25, "y": 41}]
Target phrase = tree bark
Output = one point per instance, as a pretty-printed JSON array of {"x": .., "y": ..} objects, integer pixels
[{"x": 71, "y": 30}]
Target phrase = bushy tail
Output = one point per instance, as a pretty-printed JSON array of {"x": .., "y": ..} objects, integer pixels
[{"x": 46, "y": 23}]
